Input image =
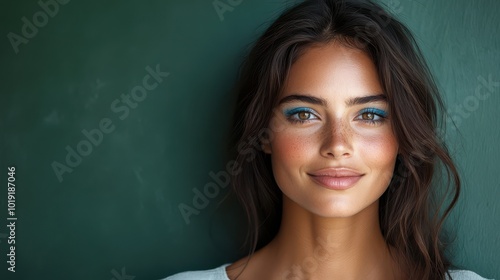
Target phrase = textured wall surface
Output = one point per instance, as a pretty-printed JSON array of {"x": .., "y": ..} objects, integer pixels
[
  {"x": 99, "y": 177},
  {"x": 461, "y": 42}
]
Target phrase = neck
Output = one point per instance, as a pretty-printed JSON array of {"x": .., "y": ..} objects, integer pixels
[{"x": 308, "y": 246}]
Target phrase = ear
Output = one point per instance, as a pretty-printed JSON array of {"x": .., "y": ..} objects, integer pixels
[{"x": 266, "y": 147}]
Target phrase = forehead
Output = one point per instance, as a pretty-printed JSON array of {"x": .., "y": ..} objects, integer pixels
[{"x": 332, "y": 70}]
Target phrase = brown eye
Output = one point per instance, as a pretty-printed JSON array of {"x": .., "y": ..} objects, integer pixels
[
  {"x": 368, "y": 116},
  {"x": 303, "y": 116},
  {"x": 372, "y": 116}
]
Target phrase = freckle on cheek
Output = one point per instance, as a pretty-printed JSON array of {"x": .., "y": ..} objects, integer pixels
[{"x": 291, "y": 147}]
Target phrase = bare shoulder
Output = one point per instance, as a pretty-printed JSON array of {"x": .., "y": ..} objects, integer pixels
[{"x": 465, "y": 275}]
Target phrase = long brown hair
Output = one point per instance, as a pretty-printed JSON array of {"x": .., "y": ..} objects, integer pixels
[{"x": 413, "y": 208}]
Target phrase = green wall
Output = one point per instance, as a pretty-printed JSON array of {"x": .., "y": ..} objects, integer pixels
[{"x": 114, "y": 212}]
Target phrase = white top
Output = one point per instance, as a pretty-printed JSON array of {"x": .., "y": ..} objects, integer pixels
[{"x": 219, "y": 273}]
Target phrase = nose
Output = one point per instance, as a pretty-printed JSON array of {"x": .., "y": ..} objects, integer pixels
[{"x": 336, "y": 140}]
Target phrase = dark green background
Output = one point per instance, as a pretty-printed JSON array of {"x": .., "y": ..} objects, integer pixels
[{"x": 119, "y": 207}]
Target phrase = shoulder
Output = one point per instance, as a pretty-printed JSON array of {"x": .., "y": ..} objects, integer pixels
[
  {"x": 218, "y": 273},
  {"x": 464, "y": 275}
]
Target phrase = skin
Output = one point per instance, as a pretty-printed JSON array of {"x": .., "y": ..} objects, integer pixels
[{"x": 328, "y": 233}]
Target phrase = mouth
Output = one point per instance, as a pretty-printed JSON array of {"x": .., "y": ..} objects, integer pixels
[
  {"x": 336, "y": 178},
  {"x": 336, "y": 183}
]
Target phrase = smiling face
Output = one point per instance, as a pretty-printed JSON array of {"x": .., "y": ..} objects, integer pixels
[{"x": 335, "y": 151}]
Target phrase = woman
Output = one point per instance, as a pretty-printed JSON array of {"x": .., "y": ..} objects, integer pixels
[{"x": 340, "y": 183}]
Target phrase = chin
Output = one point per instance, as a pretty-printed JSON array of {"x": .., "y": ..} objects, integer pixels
[{"x": 336, "y": 207}]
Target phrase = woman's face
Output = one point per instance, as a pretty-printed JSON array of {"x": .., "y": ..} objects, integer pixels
[{"x": 335, "y": 151}]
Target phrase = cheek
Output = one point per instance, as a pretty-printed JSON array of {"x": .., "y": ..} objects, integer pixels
[
  {"x": 289, "y": 148},
  {"x": 379, "y": 152}
]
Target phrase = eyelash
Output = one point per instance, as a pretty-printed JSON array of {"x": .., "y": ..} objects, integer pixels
[
  {"x": 295, "y": 111},
  {"x": 381, "y": 114}
]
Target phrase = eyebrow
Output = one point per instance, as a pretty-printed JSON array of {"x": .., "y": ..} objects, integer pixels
[{"x": 320, "y": 101}]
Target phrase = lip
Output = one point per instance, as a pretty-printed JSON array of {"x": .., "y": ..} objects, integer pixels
[{"x": 336, "y": 178}]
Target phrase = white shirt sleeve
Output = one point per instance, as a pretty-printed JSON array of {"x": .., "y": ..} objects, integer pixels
[
  {"x": 218, "y": 273},
  {"x": 465, "y": 275}
]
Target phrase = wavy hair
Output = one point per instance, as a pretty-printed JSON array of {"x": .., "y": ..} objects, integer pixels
[{"x": 413, "y": 208}]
